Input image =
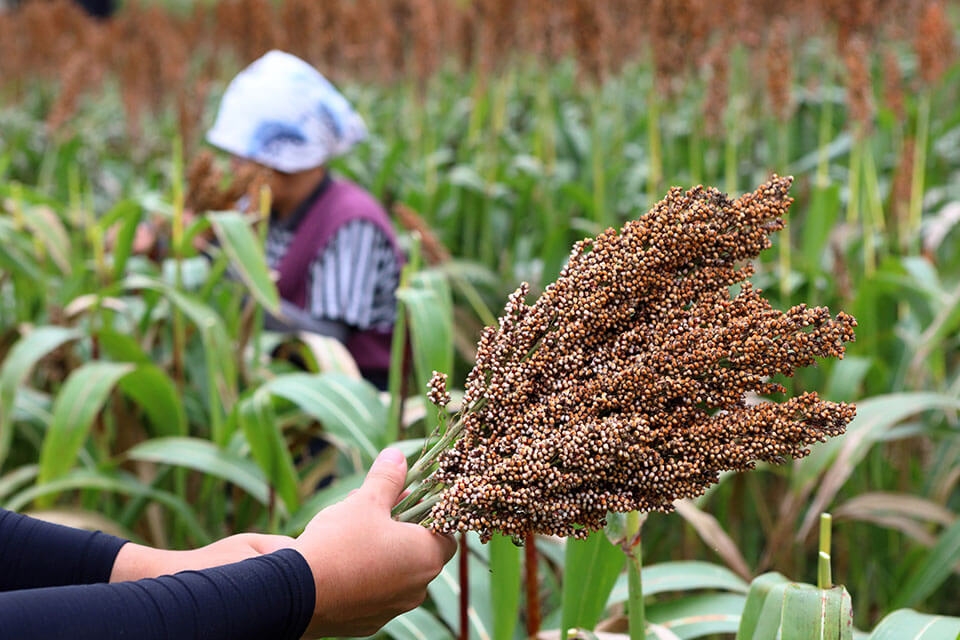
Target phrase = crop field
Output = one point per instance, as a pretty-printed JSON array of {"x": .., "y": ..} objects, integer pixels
[{"x": 143, "y": 396}]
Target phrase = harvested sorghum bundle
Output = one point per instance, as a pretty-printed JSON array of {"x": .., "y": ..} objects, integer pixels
[
  {"x": 625, "y": 385},
  {"x": 207, "y": 191}
]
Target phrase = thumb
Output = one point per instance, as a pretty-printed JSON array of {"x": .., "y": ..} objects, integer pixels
[{"x": 384, "y": 481}]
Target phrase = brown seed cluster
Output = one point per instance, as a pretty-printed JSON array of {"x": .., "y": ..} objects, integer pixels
[
  {"x": 161, "y": 59},
  {"x": 209, "y": 190},
  {"x": 625, "y": 385}
]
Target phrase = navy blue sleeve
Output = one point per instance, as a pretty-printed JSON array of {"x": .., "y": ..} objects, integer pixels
[
  {"x": 34, "y": 553},
  {"x": 271, "y": 596}
]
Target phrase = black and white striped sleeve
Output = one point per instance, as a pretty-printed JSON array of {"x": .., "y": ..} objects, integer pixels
[{"x": 354, "y": 280}]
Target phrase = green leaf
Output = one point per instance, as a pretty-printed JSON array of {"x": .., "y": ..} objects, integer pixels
[
  {"x": 46, "y": 228},
  {"x": 809, "y": 612},
  {"x": 820, "y": 220},
  {"x": 445, "y": 593},
  {"x": 82, "y": 397},
  {"x": 219, "y": 350},
  {"x": 246, "y": 255},
  {"x": 117, "y": 483},
  {"x": 257, "y": 419},
  {"x": 680, "y": 576},
  {"x": 157, "y": 395},
  {"x": 17, "y": 477},
  {"x": 761, "y": 611},
  {"x": 16, "y": 252},
  {"x": 128, "y": 214},
  {"x": 204, "y": 456},
  {"x": 429, "y": 308},
  {"x": 937, "y": 565},
  {"x": 838, "y": 457},
  {"x": 506, "y": 563},
  {"x": 17, "y": 364},
  {"x": 698, "y": 615},
  {"x": 351, "y": 412},
  {"x": 418, "y": 624},
  {"x": 907, "y": 624},
  {"x": 595, "y": 562}
]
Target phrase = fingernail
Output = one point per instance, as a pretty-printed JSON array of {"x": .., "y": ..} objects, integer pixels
[{"x": 392, "y": 456}]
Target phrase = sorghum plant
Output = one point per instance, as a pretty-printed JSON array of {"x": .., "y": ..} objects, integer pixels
[{"x": 634, "y": 380}]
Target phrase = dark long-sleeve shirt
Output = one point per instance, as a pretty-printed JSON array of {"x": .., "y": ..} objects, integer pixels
[{"x": 53, "y": 584}]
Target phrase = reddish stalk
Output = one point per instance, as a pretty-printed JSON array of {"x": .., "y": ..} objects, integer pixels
[
  {"x": 533, "y": 585},
  {"x": 464, "y": 589}
]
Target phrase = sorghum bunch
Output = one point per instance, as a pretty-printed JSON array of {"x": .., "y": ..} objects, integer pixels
[{"x": 628, "y": 384}]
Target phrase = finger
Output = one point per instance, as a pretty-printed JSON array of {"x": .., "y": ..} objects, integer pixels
[
  {"x": 448, "y": 546},
  {"x": 384, "y": 481}
]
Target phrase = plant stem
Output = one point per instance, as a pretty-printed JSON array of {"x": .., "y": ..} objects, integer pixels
[
  {"x": 398, "y": 348},
  {"x": 824, "y": 579},
  {"x": 531, "y": 564},
  {"x": 919, "y": 168},
  {"x": 464, "y": 566},
  {"x": 637, "y": 621},
  {"x": 417, "y": 512}
]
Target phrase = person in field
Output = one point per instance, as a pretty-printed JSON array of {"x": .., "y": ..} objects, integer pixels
[
  {"x": 330, "y": 242},
  {"x": 352, "y": 570}
]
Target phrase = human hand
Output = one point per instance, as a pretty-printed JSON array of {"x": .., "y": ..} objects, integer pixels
[
  {"x": 135, "y": 561},
  {"x": 368, "y": 568}
]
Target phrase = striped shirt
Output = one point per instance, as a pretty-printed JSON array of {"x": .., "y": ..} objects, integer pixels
[{"x": 353, "y": 280}]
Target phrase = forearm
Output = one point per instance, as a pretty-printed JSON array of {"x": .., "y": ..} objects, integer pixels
[
  {"x": 35, "y": 553},
  {"x": 293, "y": 318},
  {"x": 135, "y": 561},
  {"x": 267, "y": 596}
]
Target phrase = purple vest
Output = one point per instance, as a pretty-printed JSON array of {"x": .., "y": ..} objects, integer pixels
[{"x": 340, "y": 203}]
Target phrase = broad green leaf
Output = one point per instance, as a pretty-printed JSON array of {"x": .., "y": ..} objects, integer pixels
[
  {"x": 680, "y": 576},
  {"x": 809, "y": 612},
  {"x": 16, "y": 252},
  {"x": 121, "y": 347},
  {"x": 204, "y": 456},
  {"x": 351, "y": 412},
  {"x": 698, "y": 615},
  {"x": 17, "y": 364},
  {"x": 429, "y": 309},
  {"x": 931, "y": 572},
  {"x": 16, "y": 478},
  {"x": 219, "y": 350},
  {"x": 418, "y": 624},
  {"x": 32, "y": 406},
  {"x": 430, "y": 313},
  {"x": 127, "y": 214},
  {"x": 506, "y": 564},
  {"x": 246, "y": 255},
  {"x": 846, "y": 377},
  {"x": 907, "y": 624},
  {"x": 82, "y": 397},
  {"x": 257, "y": 419},
  {"x": 819, "y": 222},
  {"x": 445, "y": 593},
  {"x": 595, "y": 562},
  {"x": 325, "y": 354},
  {"x": 837, "y": 458},
  {"x": 156, "y": 394},
  {"x": 46, "y": 228},
  {"x": 761, "y": 611},
  {"x": 114, "y": 483}
]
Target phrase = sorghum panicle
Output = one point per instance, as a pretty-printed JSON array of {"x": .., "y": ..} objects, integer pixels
[{"x": 625, "y": 385}]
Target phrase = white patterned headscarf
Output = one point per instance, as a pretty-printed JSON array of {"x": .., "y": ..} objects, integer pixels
[{"x": 282, "y": 113}]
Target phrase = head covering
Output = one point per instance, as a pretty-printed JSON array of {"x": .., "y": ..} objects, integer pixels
[{"x": 282, "y": 113}]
